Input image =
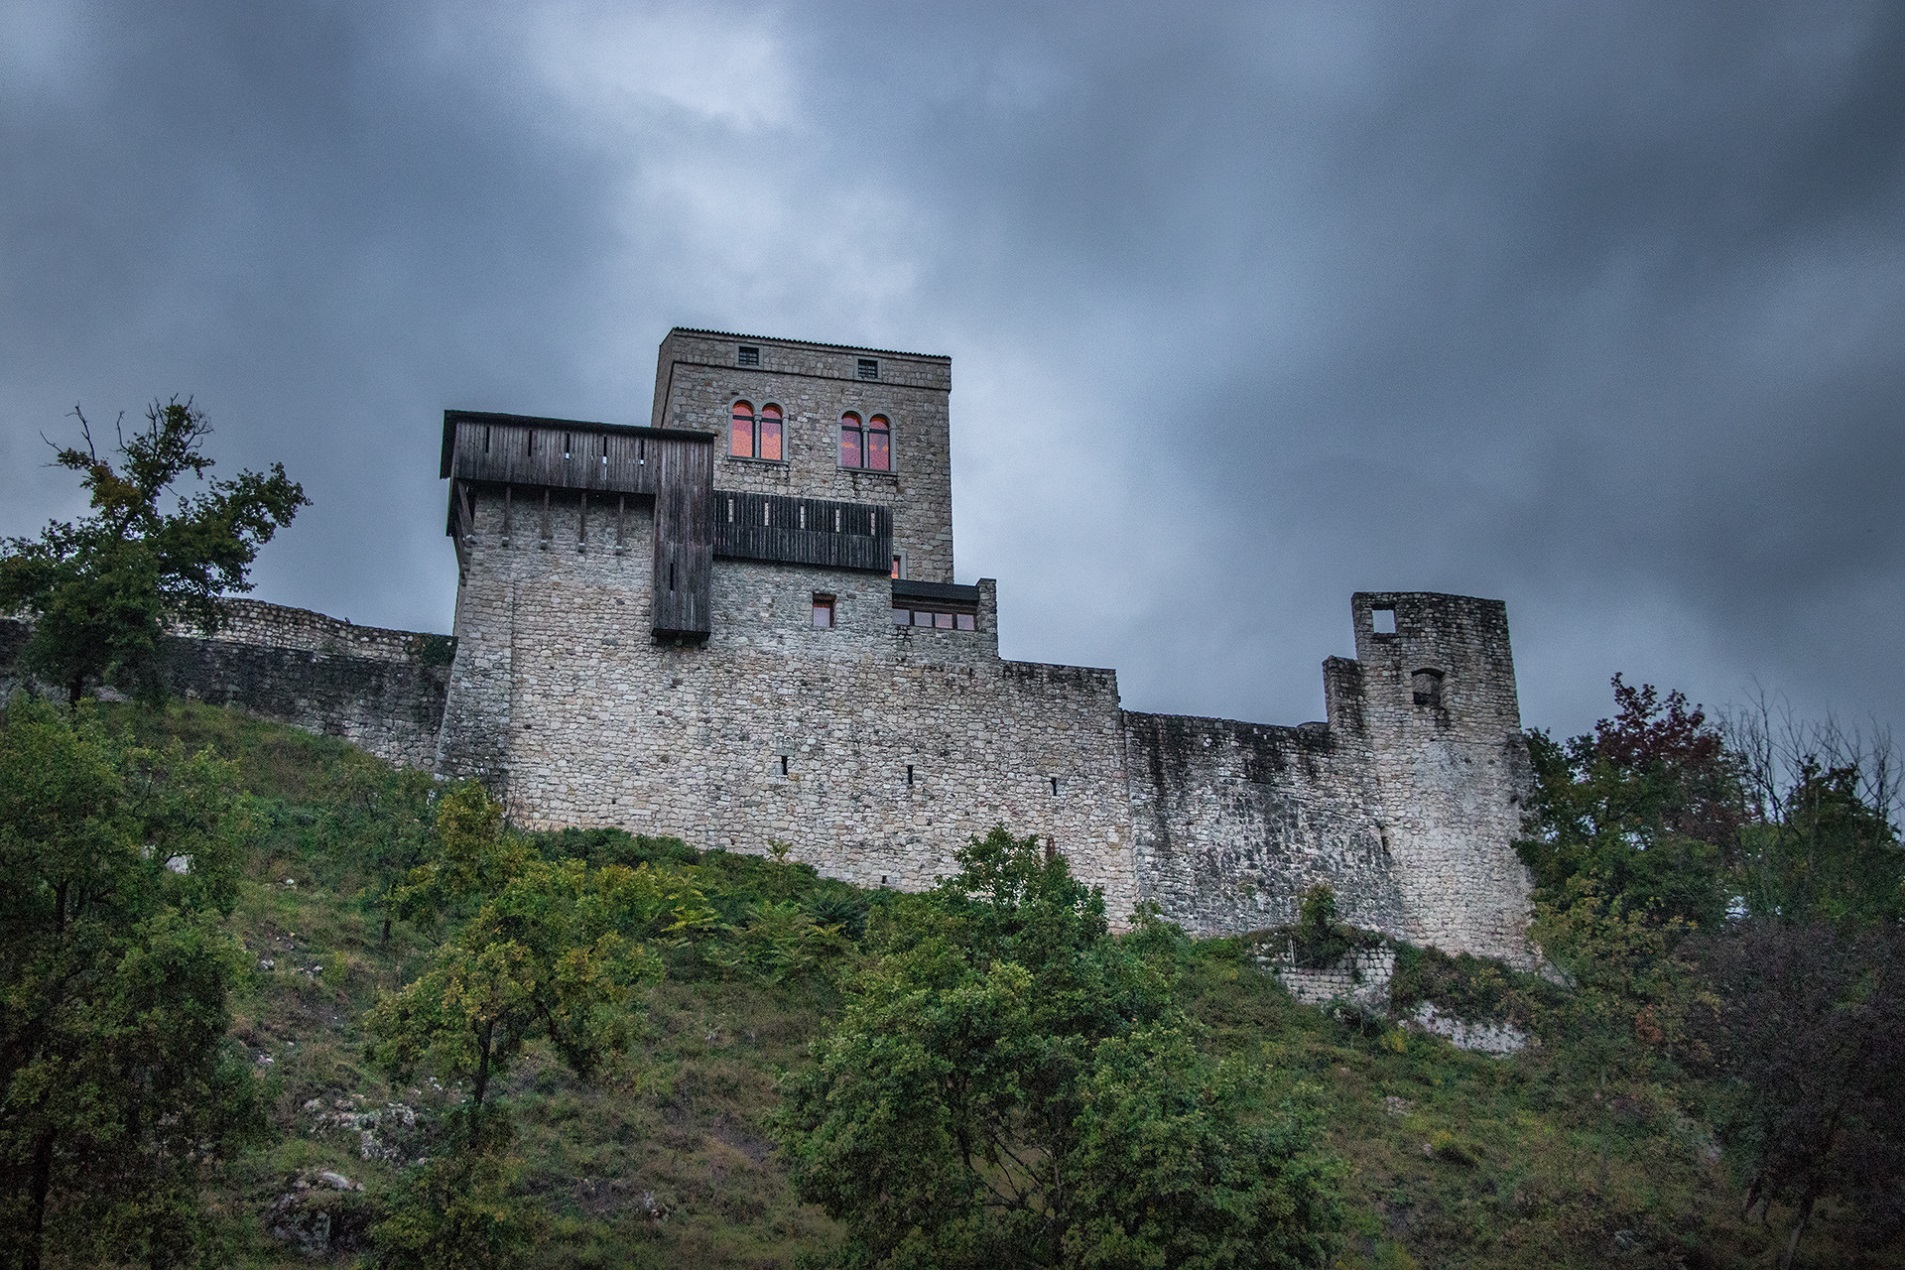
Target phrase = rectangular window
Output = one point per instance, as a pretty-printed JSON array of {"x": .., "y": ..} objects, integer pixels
[
  {"x": 869, "y": 368},
  {"x": 899, "y": 567},
  {"x": 936, "y": 619},
  {"x": 747, "y": 355},
  {"x": 823, "y": 611},
  {"x": 1383, "y": 621}
]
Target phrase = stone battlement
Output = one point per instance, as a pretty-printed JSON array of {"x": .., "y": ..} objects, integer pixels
[{"x": 738, "y": 625}]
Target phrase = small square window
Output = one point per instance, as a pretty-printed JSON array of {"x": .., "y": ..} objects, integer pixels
[
  {"x": 966, "y": 621},
  {"x": 1382, "y": 621},
  {"x": 869, "y": 368},
  {"x": 747, "y": 355},
  {"x": 902, "y": 617},
  {"x": 823, "y": 612}
]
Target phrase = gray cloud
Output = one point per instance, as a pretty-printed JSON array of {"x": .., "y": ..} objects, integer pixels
[{"x": 1596, "y": 310}]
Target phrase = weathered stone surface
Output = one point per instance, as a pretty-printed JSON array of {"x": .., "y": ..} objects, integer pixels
[{"x": 875, "y": 751}]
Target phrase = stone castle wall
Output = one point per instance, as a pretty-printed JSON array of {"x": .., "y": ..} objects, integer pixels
[
  {"x": 381, "y": 690},
  {"x": 875, "y": 752}
]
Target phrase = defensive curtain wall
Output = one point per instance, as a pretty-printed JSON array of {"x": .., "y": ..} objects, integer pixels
[{"x": 746, "y": 634}]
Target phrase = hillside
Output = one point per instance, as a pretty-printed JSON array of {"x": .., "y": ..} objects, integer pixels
[{"x": 1568, "y": 1154}]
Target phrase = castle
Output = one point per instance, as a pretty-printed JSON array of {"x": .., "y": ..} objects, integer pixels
[{"x": 738, "y": 624}]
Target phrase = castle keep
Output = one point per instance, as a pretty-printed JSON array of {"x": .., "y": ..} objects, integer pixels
[{"x": 738, "y": 624}]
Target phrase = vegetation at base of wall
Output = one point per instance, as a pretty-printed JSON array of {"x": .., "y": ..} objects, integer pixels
[
  {"x": 1472, "y": 988},
  {"x": 1316, "y": 940},
  {"x": 1633, "y": 1135}
]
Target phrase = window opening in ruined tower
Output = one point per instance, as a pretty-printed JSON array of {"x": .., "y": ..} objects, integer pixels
[
  {"x": 1382, "y": 621},
  {"x": 1426, "y": 688},
  {"x": 823, "y": 611}
]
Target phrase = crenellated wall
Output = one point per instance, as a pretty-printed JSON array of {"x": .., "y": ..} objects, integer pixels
[{"x": 605, "y": 674}]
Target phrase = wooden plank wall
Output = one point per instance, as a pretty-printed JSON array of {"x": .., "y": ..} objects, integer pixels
[
  {"x": 790, "y": 530},
  {"x": 675, "y": 468}
]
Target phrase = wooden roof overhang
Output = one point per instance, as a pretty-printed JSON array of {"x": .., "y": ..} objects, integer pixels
[{"x": 674, "y": 466}]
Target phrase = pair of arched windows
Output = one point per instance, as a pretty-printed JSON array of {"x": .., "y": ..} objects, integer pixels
[
  {"x": 866, "y": 445},
  {"x": 755, "y": 436}
]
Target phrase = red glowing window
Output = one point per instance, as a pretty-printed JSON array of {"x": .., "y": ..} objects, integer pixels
[
  {"x": 741, "y": 431},
  {"x": 852, "y": 441},
  {"x": 770, "y": 429},
  {"x": 879, "y": 444}
]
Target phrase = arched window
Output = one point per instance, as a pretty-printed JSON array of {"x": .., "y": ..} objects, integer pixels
[
  {"x": 752, "y": 436},
  {"x": 770, "y": 427},
  {"x": 867, "y": 445},
  {"x": 741, "y": 431},
  {"x": 852, "y": 441}
]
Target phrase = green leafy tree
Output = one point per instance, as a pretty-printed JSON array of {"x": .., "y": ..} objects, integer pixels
[
  {"x": 388, "y": 814},
  {"x": 1639, "y": 818},
  {"x": 1829, "y": 852},
  {"x": 1011, "y": 1085},
  {"x": 1804, "y": 1026},
  {"x": 118, "y": 1086},
  {"x": 553, "y": 951},
  {"x": 103, "y": 592}
]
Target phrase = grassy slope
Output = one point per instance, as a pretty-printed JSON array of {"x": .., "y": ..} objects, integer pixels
[{"x": 1451, "y": 1159}]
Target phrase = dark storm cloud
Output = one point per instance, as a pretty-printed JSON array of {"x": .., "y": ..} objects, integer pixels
[{"x": 1597, "y": 310}]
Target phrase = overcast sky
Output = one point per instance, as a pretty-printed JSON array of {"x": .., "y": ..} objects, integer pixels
[{"x": 1596, "y": 309}]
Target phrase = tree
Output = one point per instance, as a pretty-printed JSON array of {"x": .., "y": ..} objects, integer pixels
[
  {"x": 1643, "y": 815},
  {"x": 104, "y": 592},
  {"x": 1010, "y": 1085},
  {"x": 551, "y": 952},
  {"x": 118, "y": 1087},
  {"x": 388, "y": 814},
  {"x": 1805, "y": 1026}
]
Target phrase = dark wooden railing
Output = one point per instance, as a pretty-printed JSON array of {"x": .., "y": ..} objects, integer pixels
[{"x": 817, "y": 531}]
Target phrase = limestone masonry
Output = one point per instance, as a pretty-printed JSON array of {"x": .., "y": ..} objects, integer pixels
[{"x": 739, "y": 625}]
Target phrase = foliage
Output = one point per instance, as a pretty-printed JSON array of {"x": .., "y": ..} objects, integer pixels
[
  {"x": 103, "y": 591},
  {"x": 1010, "y": 1085},
  {"x": 1828, "y": 854},
  {"x": 1471, "y": 988},
  {"x": 461, "y": 1209},
  {"x": 552, "y": 951},
  {"x": 118, "y": 1090},
  {"x": 388, "y": 815},
  {"x": 1806, "y": 1025},
  {"x": 1638, "y": 818}
]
